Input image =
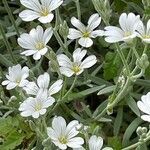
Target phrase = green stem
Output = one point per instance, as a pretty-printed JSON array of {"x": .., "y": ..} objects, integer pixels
[
  {"x": 131, "y": 147},
  {"x": 145, "y": 48},
  {"x": 58, "y": 38},
  {"x": 78, "y": 9},
  {"x": 72, "y": 86},
  {"x": 101, "y": 114},
  {"x": 117, "y": 99},
  {"x": 123, "y": 58},
  {"x": 121, "y": 94},
  {"x": 11, "y": 16},
  {"x": 7, "y": 44},
  {"x": 135, "y": 53},
  {"x": 61, "y": 100}
]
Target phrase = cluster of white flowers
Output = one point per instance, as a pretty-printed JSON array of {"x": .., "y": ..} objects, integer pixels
[
  {"x": 40, "y": 92},
  {"x": 64, "y": 136}
]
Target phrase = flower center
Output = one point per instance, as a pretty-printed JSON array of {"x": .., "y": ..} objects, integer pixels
[
  {"x": 38, "y": 107},
  {"x": 146, "y": 36},
  {"x": 127, "y": 34},
  {"x": 63, "y": 140},
  {"x": 44, "y": 11},
  {"x": 18, "y": 81},
  {"x": 76, "y": 68},
  {"x": 86, "y": 34},
  {"x": 39, "y": 45}
]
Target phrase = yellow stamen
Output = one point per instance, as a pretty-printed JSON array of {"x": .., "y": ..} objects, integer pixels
[
  {"x": 44, "y": 11},
  {"x": 39, "y": 45},
  {"x": 146, "y": 36},
  {"x": 86, "y": 34},
  {"x": 38, "y": 106},
  {"x": 63, "y": 140},
  {"x": 76, "y": 69},
  {"x": 127, "y": 34}
]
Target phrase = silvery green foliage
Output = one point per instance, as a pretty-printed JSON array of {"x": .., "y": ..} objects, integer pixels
[{"x": 75, "y": 75}]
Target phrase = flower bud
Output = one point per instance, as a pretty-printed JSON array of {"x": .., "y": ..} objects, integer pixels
[
  {"x": 143, "y": 62},
  {"x": 139, "y": 131},
  {"x": 32, "y": 125},
  {"x": 47, "y": 142},
  {"x": 64, "y": 29},
  {"x": 53, "y": 63}
]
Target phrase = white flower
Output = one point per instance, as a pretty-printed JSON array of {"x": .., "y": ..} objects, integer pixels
[
  {"x": 41, "y": 9},
  {"x": 85, "y": 33},
  {"x": 16, "y": 77},
  {"x": 95, "y": 143},
  {"x": 42, "y": 86},
  {"x": 144, "y": 106},
  {"x": 69, "y": 68},
  {"x": 144, "y": 32},
  {"x": 35, "y": 42},
  {"x": 126, "y": 33},
  {"x": 36, "y": 106},
  {"x": 63, "y": 135}
]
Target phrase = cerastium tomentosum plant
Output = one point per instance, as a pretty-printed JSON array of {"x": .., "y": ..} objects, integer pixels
[{"x": 54, "y": 91}]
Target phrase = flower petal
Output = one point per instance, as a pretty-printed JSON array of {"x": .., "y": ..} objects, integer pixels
[
  {"x": 55, "y": 4},
  {"x": 28, "y": 15},
  {"x": 93, "y": 21},
  {"x": 59, "y": 125},
  {"x": 89, "y": 62},
  {"x": 43, "y": 80},
  {"x": 66, "y": 71},
  {"x": 97, "y": 33},
  {"x": 56, "y": 87},
  {"x": 78, "y": 24},
  {"x": 31, "y": 4},
  {"x": 46, "y": 19},
  {"x": 75, "y": 142},
  {"x": 74, "y": 34},
  {"x": 85, "y": 42},
  {"x": 47, "y": 35},
  {"x": 64, "y": 61},
  {"x": 79, "y": 54}
]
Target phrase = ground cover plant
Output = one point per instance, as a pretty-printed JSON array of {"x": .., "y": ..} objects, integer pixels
[{"x": 75, "y": 74}]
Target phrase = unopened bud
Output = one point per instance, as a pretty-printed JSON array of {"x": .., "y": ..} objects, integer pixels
[
  {"x": 54, "y": 66},
  {"x": 143, "y": 62},
  {"x": 32, "y": 125},
  {"x": 64, "y": 29},
  {"x": 47, "y": 142}
]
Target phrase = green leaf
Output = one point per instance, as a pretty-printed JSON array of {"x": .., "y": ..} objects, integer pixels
[
  {"x": 118, "y": 121},
  {"x": 106, "y": 90},
  {"x": 13, "y": 131},
  {"x": 13, "y": 139},
  {"x": 84, "y": 93},
  {"x": 111, "y": 65},
  {"x": 130, "y": 130},
  {"x": 133, "y": 105}
]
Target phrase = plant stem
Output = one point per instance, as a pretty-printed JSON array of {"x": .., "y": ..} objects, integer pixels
[
  {"x": 117, "y": 99},
  {"x": 121, "y": 94},
  {"x": 72, "y": 86},
  {"x": 123, "y": 58},
  {"x": 61, "y": 100},
  {"x": 7, "y": 44},
  {"x": 145, "y": 48},
  {"x": 136, "y": 144},
  {"x": 11, "y": 16},
  {"x": 60, "y": 41},
  {"x": 78, "y": 9},
  {"x": 136, "y": 53}
]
